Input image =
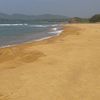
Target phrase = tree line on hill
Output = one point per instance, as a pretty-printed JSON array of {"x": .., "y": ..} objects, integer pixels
[
  {"x": 93, "y": 19},
  {"x": 78, "y": 20},
  {"x": 21, "y": 18}
]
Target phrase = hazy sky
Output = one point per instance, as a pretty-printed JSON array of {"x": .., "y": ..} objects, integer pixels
[{"x": 71, "y": 8}]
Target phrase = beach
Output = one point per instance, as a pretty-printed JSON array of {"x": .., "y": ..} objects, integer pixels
[{"x": 64, "y": 67}]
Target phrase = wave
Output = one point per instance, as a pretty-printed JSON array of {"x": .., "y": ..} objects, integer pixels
[
  {"x": 13, "y": 25},
  {"x": 56, "y": 32},
  {"x": 40, "y": 26},
  {"x": 44, "y": 26},
  {"x": 2, "y": 25},
  {"x": 55, "y": 29},
  {"x": 55, "y": 25},
  {"x": 29, "y": 25}
]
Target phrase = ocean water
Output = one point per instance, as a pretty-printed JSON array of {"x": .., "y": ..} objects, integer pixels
[{"x": 12, "y": 34}]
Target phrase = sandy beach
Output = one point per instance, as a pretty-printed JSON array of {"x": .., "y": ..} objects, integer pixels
[{"x": 66, "y": 67}]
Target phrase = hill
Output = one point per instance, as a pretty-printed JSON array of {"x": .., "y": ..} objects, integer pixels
[
  {"x": 95, "y": 18},
  {"x": 21, "y": 18},
  {"x": 78, "y": 20}
]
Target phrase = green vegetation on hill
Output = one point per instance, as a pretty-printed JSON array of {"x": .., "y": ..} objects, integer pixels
[
  {"x": 78, "y": 20},
  {"x": 95, "y": 18},
  {"x": 20, "y": 18}
]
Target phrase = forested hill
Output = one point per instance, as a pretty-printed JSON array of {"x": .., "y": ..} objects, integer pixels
[{"x": 21, "y": 18}]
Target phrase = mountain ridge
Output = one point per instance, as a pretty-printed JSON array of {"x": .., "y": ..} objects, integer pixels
[{"x": 24, "y": 16}]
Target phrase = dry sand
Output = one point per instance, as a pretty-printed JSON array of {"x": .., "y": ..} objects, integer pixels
[{"x": 66, "y": 67}]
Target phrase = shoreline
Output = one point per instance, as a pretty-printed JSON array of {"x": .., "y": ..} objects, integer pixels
[{"x": 37, "y": 40}]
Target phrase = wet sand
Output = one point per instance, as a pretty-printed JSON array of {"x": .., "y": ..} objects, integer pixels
[{"x": 66, "y": 67}]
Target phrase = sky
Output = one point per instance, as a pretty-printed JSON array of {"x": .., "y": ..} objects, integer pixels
[{"x": 70, "y": 8}]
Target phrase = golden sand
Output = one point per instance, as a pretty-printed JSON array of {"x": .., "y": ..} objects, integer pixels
[{"x": 66, "y": 67}]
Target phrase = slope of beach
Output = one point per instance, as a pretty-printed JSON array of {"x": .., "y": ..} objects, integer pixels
[{"x": 66, "y": 67}]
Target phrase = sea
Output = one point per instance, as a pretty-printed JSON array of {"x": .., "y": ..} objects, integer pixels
[{"x": 13, "y": 34}]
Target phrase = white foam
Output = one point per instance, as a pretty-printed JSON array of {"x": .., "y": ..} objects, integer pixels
[
  {"x": 56, "y": 32},
  {"x": 13, "y": 25},
  {"x": 7, "y": 46},
  {"x": 44, "y": 26},
  {"x": 54, "y": 29},
  {"x": 45, "y": 38},
  {"x": 54, "y": 25},
  {"x": 40, "y": 26}
]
